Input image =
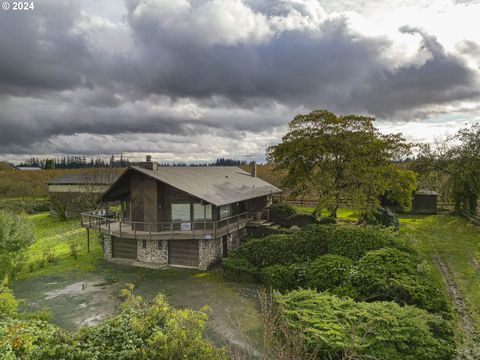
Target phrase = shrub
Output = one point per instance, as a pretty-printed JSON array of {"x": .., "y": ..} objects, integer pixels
[
  {"x": 270, "y": 250},
  {"x": 302, "y": 220},
  {"x": 280, "y": 213},
  {"x": 391, "y": 274},
  {"x": 139, "y": 331},
  {"x": 16, "y": 235},
  {"x": 327, "y": 220},
  {"x": 381, "y": 216},
  {"x": 342, "y": 328},
  {"x": 8, "y": 303},
  {"x": 349, "y": 241},
  {"x": 237, "y": 268},
  {"x": 311, "y": 242},
  {"x": 285, "y": 277},
  {"x": 329, "y": 272}
]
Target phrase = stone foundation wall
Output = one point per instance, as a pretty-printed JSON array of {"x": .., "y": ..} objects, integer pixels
[
  {"x": 107, "y": 246},
  {"x": 211, "y": 251},
  {"x": 155, "y": 251},
  {"x": 208, "y": 251}
]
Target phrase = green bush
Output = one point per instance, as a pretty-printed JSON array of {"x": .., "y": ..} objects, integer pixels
[
  {"x": 339, "y": 328},
  {"x": 271, "y": 250},
  {"x": 302, "y": 220},
  {"x": 8, "y": 303},
  {"x": 381, "y": 216},
  {"x": 139, "y": 331},
  {"x": 237, "y": 268},
  {"x": 329, "y": 272},
  {"x": 391, "y": 274},
  {"x": 349, "y": 241},
  {"x": 280, "y": 213},
  {"x": 285, "y": 277},
  {"x": 16, "y": 235},
  {"x": 327, "y": 220},
  {"x": 311, "y": 242}
]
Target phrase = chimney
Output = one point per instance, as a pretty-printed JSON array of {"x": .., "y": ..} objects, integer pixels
[
  {"x": 253, "y": 170},
  {"x": 148, "y": 164}
]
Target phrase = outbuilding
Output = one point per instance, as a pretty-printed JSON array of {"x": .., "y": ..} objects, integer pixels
[{"x": 424, "y": 202}]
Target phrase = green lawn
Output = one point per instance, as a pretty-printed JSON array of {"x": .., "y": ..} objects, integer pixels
[
  {"x": 457, "y": 242},
  {"x": 343, "y": 214},
  {"x": 56, "y": 236}
]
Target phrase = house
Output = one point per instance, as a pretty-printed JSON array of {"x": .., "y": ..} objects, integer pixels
[
  {"x": 188, "y": 216},
  {"x": 80, "y": 192},
  {"x": 28, "y": 168}
]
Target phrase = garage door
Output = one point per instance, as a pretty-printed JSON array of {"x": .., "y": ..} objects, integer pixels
[
  {"x": 183, "y": 252},
  {"x": 124, "y": 248}
]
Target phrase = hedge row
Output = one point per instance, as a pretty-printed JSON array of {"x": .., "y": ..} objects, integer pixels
[
  {"x": 334, "y": 327},
  {"x": 381, "y": 275},
  {"x": 313, "y": 241}
]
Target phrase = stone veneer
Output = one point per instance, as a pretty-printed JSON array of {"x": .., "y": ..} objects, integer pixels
[
  {"x": 210, "y": 251},
  {"x": 155, "y": 251},
  {"x": 107, "y": 246}
]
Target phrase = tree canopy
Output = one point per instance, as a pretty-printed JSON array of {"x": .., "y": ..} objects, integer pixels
[
  {"x": 452, "y": 167},
  {"x": 342, "y": 156}
]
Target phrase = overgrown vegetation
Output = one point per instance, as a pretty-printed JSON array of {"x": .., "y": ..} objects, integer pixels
[
  {"x": 16, "y": 235},
  {"x": 340, "y": 328},
  {"x": 139, "y": 331},
  {"x": 372, "y": 282}
]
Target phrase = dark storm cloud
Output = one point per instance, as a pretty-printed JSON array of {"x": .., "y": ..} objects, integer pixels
[
  {"x": 442, "y": 78},
  {"x": 188, "y": 69},
  {"x": 40, "y": 50}
]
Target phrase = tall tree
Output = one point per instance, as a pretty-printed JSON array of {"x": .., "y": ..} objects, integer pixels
[
  {"x": 342, "y": 156},
  {"x": 454, "y": 163}
]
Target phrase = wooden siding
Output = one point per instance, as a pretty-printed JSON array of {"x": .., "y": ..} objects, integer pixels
[
  {"x": 183, "y": 253},
  {"x": 124, "y": 248}
]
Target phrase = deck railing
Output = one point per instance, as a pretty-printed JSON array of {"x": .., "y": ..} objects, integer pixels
[{"x": 113, "y": 223}]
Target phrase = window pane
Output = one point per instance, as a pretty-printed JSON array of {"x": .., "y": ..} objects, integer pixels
[
  {"x": 180, "y": 212},
  {"x": 225, "y": 211},
  {"x": 201, "y": 212}
]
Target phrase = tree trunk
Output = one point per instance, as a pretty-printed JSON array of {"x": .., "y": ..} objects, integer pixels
[
  {"x": 472, "y": 204},
  {"x": 333, "y": 211}
]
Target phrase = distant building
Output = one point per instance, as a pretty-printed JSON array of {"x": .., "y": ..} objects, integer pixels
[
  {"x": 81, "y": 191},
  {"x": 28, "y": 168},
  {"x": 424, "y": 202}
]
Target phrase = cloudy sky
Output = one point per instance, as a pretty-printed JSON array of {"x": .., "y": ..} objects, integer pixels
[{"x": 201, "y": 79}]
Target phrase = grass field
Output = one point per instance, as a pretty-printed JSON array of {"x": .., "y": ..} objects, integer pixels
[
  {"x": 451, "y": 245},
  {"x": 56, "y": 237}
]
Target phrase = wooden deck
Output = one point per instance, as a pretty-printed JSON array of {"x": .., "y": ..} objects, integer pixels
[{"x": 169, "y": 231}]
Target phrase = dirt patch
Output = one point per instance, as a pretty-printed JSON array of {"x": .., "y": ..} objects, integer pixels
[
  {"x": 82, "y": 298},
  {"x": 471, "y": 346},
  {"x": 475, "y": 263}
]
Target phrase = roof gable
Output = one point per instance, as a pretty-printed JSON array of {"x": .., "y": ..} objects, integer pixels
[{"x": 218, "y": 185}]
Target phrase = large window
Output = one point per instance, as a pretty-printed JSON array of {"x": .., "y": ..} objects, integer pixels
[
  {"x": 225, "y": 211},
  {"x": 181, "y": 212},
  {"x": 201, "y": 212}
]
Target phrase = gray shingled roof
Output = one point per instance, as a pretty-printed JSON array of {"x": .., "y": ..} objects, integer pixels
[
  {"x": 218, "y": 185},
  {"x": 90, "y": 178}
]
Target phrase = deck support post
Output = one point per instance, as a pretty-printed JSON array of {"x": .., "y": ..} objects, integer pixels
[{"x": 88, "y": 240}]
